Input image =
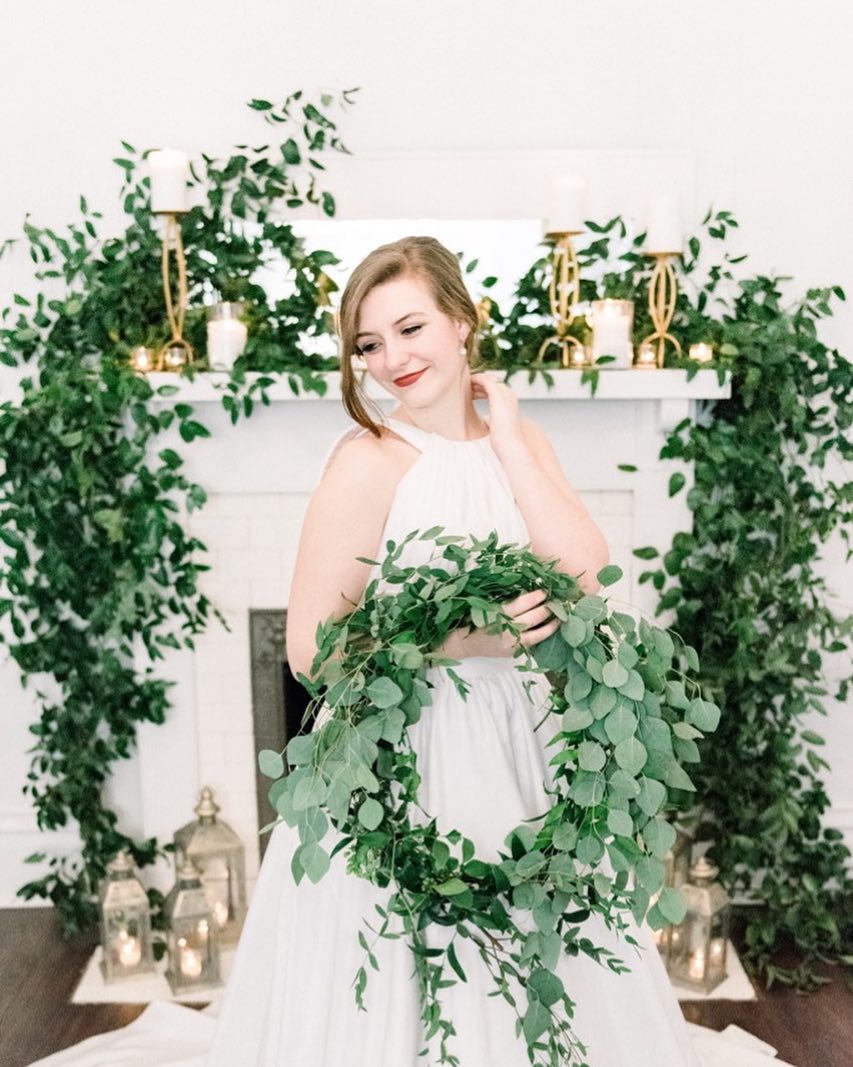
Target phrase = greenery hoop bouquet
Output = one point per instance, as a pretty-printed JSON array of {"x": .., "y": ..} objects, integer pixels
[{"x": 625, "y": 718}]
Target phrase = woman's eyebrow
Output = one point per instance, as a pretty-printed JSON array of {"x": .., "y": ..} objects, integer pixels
[{"x": 403, "y": 318}]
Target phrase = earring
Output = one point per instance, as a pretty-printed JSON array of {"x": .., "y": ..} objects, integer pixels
[{"x": 463, "y": 351}]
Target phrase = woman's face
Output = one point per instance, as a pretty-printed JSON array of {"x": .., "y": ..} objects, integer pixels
[{"x": 411, "y": 347}]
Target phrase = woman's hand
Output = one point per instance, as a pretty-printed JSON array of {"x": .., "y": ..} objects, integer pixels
[
  {"x": 504, "y": 420},
  {"x": 527, "y": 611}
]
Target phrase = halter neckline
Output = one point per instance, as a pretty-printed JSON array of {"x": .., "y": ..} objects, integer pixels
[{"x": 441, "y": 437}]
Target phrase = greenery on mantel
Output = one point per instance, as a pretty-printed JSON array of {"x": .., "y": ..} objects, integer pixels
[{"x": 99, "y": 578}]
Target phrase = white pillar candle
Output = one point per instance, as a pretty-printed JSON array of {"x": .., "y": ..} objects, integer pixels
[
  {"x": 565, "y": 205},
  {"x": 611, "y": 332},
  {"x": 169, "y": 174},
  {"x": 663, "y": 233},
  {"x": 226, "y": 339}
]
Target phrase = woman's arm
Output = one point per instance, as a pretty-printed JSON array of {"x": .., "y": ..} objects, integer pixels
[
  {"x": 559, "y": 524},
  {"x": 345, "y": 519}
]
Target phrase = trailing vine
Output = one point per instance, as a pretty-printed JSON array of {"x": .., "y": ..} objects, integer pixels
[
  {"x": 623, "y": 712},
  {"x": 98, "y": 563}
]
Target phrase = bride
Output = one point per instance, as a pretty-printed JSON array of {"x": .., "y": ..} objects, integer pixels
[{"x": 434, "y": 461}]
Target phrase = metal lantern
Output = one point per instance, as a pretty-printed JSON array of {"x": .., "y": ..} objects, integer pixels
[
  {"x": 677, "y": 870},
  {"x": 698, "y": 957},
  {"x": 125, "y": 922},
  {"x": 219, "y": 855},
  {"x": 192, "y": 938}
]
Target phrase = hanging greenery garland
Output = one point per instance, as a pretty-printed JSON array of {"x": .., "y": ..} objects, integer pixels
[{"x": 625, "y": 712}]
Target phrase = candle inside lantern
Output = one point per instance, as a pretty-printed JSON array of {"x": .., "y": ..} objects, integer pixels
[
  {"x": 646, "y": 356},
  {"x": 717, "y": 952},
  {"x": 169, "y": 174},
  {"x": 129, "y": 949},
  {"x": 611, "y": 331},
  {"x": 663, "y": 233},
  {"x": 696, "y": 969},
  {"x": 226, "y": 336},
  {"x": 220, "y": 913},
  {"x": 701, "y": 352},
  {"x": 565, "y": 205},
  {"x": 190, "y": 959}
]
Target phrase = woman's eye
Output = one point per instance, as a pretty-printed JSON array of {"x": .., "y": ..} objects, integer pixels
[
  {"x": 366, "y": 349},
  {"x": 409, "y": 329}
]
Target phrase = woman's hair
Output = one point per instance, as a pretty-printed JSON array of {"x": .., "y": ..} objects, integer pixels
[{"x": 424, "y": 258}]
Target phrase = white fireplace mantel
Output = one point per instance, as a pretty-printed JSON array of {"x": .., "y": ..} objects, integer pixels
[{"x": 259, "y": 476}]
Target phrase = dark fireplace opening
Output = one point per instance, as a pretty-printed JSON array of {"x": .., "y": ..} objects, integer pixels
[{"x": 279, "y": 702}]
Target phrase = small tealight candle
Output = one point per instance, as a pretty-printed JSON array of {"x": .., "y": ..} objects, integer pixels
[
  {"x": 696, "y": 968},
  {"x": 129, "y": 949},
  {"x": 717, "y": 952},
  {"x": 579, "y": 357},
  {"x": 174, "y": 357},
  {"x": 190, "y": 962},
  {"x": 220, "y": 913},
  {"x": 169, "y": 174},
  {"x": 646, "y": 355},
  {"x": 142, "y": 359},
  {"x": 701, "y": 352}
]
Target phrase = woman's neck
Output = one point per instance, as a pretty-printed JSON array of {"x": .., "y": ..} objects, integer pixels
[{"x": 457, "y": 421}]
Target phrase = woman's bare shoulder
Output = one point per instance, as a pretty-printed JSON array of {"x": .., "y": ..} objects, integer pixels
[{"x": 362, "y": 459}]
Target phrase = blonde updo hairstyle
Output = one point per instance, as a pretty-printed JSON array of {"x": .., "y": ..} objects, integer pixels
[{"x": 424, "y": 258}]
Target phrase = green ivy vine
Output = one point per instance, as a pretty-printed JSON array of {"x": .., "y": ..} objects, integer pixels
[
  {"x": 97, "y": 562},
  {"x": 97, "y": 565}
]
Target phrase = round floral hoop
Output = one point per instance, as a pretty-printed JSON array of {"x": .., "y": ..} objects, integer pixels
[{"x": 627, "y": 727}]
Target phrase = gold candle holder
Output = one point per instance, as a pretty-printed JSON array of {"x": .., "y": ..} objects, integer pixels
[
  {"x": 663, "y": 290},
  {"x": 563, "y": 297},
  {"x": 175, "y": 312}
]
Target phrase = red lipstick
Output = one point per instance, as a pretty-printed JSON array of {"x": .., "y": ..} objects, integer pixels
[{"x": 409, "y": 379}]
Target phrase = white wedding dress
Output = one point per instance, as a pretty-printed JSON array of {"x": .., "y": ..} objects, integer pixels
[{"x": 289, "y": 1000}]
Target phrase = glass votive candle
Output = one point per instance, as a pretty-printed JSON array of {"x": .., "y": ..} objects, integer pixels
[
  {"x": 142, "y": 359},
  {"x": 174, "y": 357},
  {"x": 701, "y": 352},
  {"x": 646, "y": 356}
]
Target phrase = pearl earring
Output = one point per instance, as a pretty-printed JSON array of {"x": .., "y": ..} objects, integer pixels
[{"x": 463, "y": 351}]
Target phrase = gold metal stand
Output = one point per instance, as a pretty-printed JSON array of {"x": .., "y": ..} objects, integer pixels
[
  {"x": 563, "y": 295},
  {"x": 663, "y": 290},
  {"x": 169, "y": 352}
]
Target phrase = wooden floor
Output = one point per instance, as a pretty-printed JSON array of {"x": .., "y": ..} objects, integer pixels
[{"x": 38, "y": 972}]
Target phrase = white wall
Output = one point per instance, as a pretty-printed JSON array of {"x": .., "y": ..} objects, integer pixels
[{"x": 756, "y": 95}]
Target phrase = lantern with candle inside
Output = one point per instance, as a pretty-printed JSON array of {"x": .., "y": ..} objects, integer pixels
[
  {"x": 192, "y": 934},
  {"x": 218, "y": 855},
  {"x": 226, "y": 335},
  {"x": 698, "y": 957},
  {"x": 701, "y": 352},
  {"x": 175, "y": 357},
  {"x": 612, "y": 323},
  {"x": 125, "y": 920}
]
